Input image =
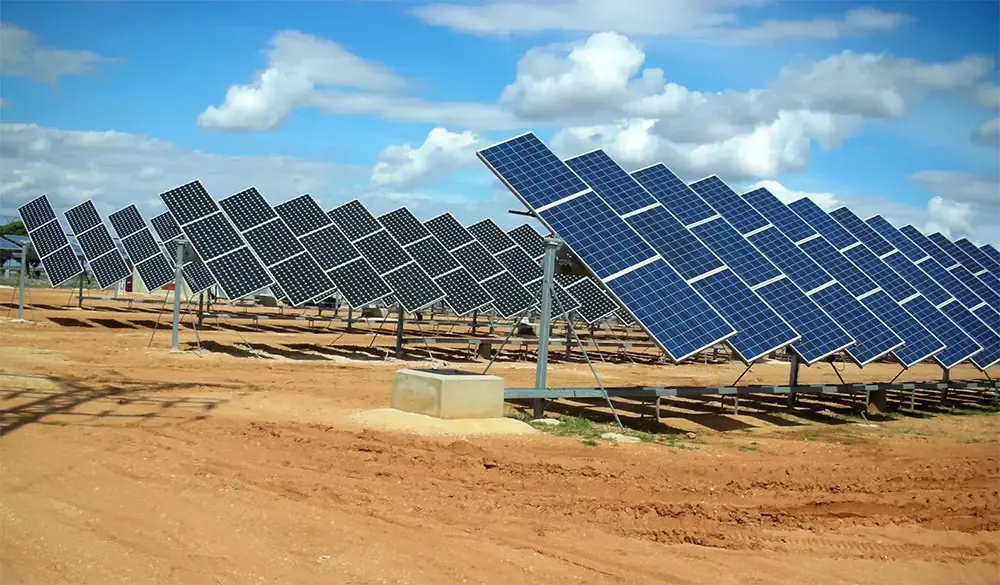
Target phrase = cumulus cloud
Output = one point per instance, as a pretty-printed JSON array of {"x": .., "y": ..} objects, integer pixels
[
  {"x": 989, "y": 132},
  {"x": 442, "y": 152},
  {"x": 712, "y": 20},
  {"x": 117, "y": 168},
  {"x": 963, "y": 204},
  {"x": 22, "y": 54}
]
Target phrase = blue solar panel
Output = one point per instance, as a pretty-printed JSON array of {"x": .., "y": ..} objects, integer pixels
[
  {"x": 862, "y": 231},
  {"x": 975, "y": 328},
  {"x": 920, "y": 343},
  {"x": 894, "y": 237},
  {"x": 879, "y": 271},
  {"x": 595, "y": 232},
  {"x": 991, "y": 252},
  {"x": 670, "y": 309},
  {"x": 928, "y": 246},
  {"x": 680, "y": 321},
  {"x": 615, "y": 186},
  {"x": 736, "y": 251},
  {"x": 779, "y": 214},
  {"x": 874, "y": 338},
  {"x": 760, "y": 330},
  {"x": 958, "y": 346},
  {"x": 790, "y": 259},
  {"x": 989, "y": 316},
  {"x": 674, "y": 242},
  {"x": 951, "y": 284},
  {"x": 918, "y": 278},
  {"x": 960, "y": 255},
  {"x": 724, "y": 200},
  {"x": 821, "y": 335},
  {"x": 823, "y": 223},
  {"x": 672, "y": 192},
  {"x": 839, "y": 266},
  {"x": 532, "y": 171},
  {"x": 977, "y": 285},
  {"x": 980, "y": 256}
]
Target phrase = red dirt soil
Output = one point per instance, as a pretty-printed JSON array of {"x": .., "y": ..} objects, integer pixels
[{"x": 128, "y": 464}]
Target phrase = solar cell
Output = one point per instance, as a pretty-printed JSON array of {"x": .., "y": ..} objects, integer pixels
[
  {"x": 108, "y": 269},
  {"x": 430, "y": 254},
  {"x": 821, "y": 335},
  {"x": 273, "y": 242},
  {"x": 462, "y": 292},
  {"x": 678, "y": 246},
  {"x": 861, "y": 231},
  {"x": 477, "y": 260},
  {"x": 36, "y": 213},
  {"x": 301, "y": 278},
  {"x": 302, "y": 215},
  {"x": 83, "y": 217},
  {"x": 155, "y": 272},
  {"x": 95, "y": 242},
  {"x": 189, "y": 202},
  {"x": 239, "y": 273},
  {"x": 247, "y": 209},
  {"x": 736, "y": 251},
  {"x": 127, "y": 221},
  {"x": 517, "y": 261},
  {"x": 531, "y": 241},
  {"x": 955, "y": 252},
  {"x": 449, "y": 231},
  {"x": 980, "y": 255},
  {"x": 738, "y": 212},
  {"x": 330, "y": 247},
  {"x": 413, "y": 288},
  {"x": 779, "y": 214},
  {"x": 359, "y": 283},
  {"x": 824, "y": 224},
  {"x": 510, "y": 298},
  {"x": 674, "y": 194},
  {"x": 141, "y": 246},
  {"x": 491, "y": 236},
  {"x": 594, "y": 304},
  {"x": 198, "y": 277},
  {"x": 383, "y": 251},
  {"x": 48, "y": 238},
  {"x": 355, "y": 220},
  {"x": 166, "y": 227},
  {"x": 958, "y": 346},
  {"x": 213, "y": 236},
  {"x": 404, "y": 226},
  {"x": 790, "y": 259},
  {"x": 61, "y": 265}
]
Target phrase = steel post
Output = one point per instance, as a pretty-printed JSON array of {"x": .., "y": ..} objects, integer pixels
[
  {"x": 793, "y": 378},
  {"x": 23, "y": 282},
  {"x": 178, "y": 285},
  {"x": 545, "y": 320}
]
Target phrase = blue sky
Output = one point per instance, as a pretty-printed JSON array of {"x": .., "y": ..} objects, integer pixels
[{"x": 864, "y": 130}]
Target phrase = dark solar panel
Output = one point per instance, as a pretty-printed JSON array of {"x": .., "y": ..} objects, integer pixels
[
  {"x": 95, "y": 242},
  {"x": 213, "y": 236},
  {"x": 48, "y": 239},
  {"x": 430, "y": 254},
  {"x": 83, "y": 217},
  {"x": 404, "y": 226},
  {"x": 532, "y": 241},
  {"x": 155, "y": 272},
  {"x": 354, "y": 220},
  {"x": 127, "y": 221},
  {"x": 109, "y": 269},
  {"x": 188, "y": 202},
  {"x": 247, "y": 209},
  {"x": 61, "y": 266},
  {"x": 463, "y": 293},
  {"x": 141, "y": 246},
  {"x": 301, "y": 279},
  {"x": 359, "y": 283},
  {"x": 273, "y": 242},
  {"x": 166, "y": 227},
  {"x": 383, "y": 251},
  {"x": 491, "y": 236},
  {"x": 412, "y": 288},
  {"x": 448, "y": 229},
  {"x": 239, "y": 273},
  {"x": 36, "y": 213},
  {"x": 330, "y": 247},
  {"x": 302, "y": 214}
]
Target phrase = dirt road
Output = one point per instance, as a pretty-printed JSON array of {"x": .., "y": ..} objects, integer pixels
[{"x": 127, "y": 464}]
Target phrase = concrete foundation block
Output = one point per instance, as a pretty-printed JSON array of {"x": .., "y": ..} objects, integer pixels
[{"x": 447, "y": 394}]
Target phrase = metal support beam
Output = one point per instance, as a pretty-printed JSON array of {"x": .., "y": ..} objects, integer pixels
[
  {"x": 400, "y": 323},
  {"x": 178, "y": 286},
  {"x": 545, "y": 319},
  {"x": 22, "y": 282},
  {"x": 793, "y": 378},
  {"x": 79, "y": 297}
]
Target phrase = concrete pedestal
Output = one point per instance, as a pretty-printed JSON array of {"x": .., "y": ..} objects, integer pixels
[{"x": 448, "y": 394}]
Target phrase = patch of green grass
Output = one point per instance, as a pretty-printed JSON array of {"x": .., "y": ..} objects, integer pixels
[
  {"x": 754, "y": 446},
  {"x": 589, "y": 432},
  {"x": 589, "y": 442}
]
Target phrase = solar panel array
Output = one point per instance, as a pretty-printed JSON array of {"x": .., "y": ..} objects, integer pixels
[
  {"x": 238, "y": 272},
  {"x": 463, "y": 293},
  {"x": 154, "y": 267},
  {"x": 196, "y": 274},
  {"x": 355, "y": 278},
  {"x": 103, "y": 256},
  {"x": 680, "y": 321},
  {"x": 412, "y": 286},
  {"x": 50, "y": 243}
]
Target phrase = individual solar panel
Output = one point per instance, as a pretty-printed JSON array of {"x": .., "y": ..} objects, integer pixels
[
  {"x": 48, "y": 238},
  {"x": 301, "y": 279},
  {"x": 956, "y": 252},
  {"x": 449, "y": 231},
  {"x": 247, "y": 209},
  {"x": 790, "y": 259},
  {"x": 216, "y": 241},
  {"x": 109, "y": 268},
  {"x": 61, "y": 265},
  {"x": 846, "y": 273},
  {"x": 413, "y": 288},
  {"x": 888, "y": 279},
  {"x": 358, "y": 280},
  {"x": 155, "y": 272},
  {"x": 127, "y": 221},
  {"x": 980, "y": 255},
  {"x": 83, "y": 217},
  {"x": 166, "y": 227},
  {"x": 669, "y": 310},
  {"x": 862, "y": 231},
  {"x": 920, "y": 342},
  {"x": 383, "y": 251},
  {"x": 198, "y": 277},
  {"x": 594, "y": 303},
  {"x": 510, "y": 298},
  {"x": 95, "y": 242},
  {"x": 36, "y": 213},
  {"x": 821, "y": 336},
  {"x": 273, "y": 242},
  {"x": 477, "y": 259},
  {"x": 771, "y": 208},
  {"x": 404, "y": 226},
  {"x": 517, "y": 261},
  {"x": 531, "y": 241},
  {"x": 491, "y": 236},
  {"x": 760, "y": 330},
  {"x": 979, "y": 331},
  {"x": 563, "y": 303},
  {"x": 822, "y": 223},
  {"x": 430, "y": 254},
  {"x": 329, "y": 246},
  {"x": 463, "y": 293},
  {"x": 720, "y": 197},
  {"x": 959, "y": 346},
  {"x": 355, "y": 220},
  {"x": 141, "y": 246},
  {"x": 928, "y": 247},
  {"x": 302, "y": 215}
]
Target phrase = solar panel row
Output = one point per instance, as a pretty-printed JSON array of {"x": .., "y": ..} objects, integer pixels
[
  {"x": 50, "y": 243},
  {"x": 103, "y": 256}
]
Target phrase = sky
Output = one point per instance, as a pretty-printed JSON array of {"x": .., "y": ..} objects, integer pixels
[{"x": 888, "y": 108}]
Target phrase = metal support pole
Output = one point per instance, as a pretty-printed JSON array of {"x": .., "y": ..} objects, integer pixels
[
  {"x": 793, "y": 379},
  {"x": 201, "y": 308},
  {"x": 946, "y": 378},
  {"x": 545, "y": 320},
  {"x": 79, "y": 298},
  {"x": 475, "y": 320},
  {"x": 350, "y": 317},
  {"x": 178, "y": 284},
  {"x": 23, "y": 282},
  {"x": 400, "y": 322}
]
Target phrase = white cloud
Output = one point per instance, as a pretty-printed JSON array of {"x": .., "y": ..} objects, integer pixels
[
  {"x": 298, "y": 66},
  {"x": 964, "y": 204},
  {"x": 711, "y": 20},
  {"x": 825, "y": 200},
  {"x": 23, "y": 55},
  {"x": 116, "y": 168},
  {"x": 403, "y": 166},
  {"x": 987, "y": 96},
  {"x": 989, "y": 132}
]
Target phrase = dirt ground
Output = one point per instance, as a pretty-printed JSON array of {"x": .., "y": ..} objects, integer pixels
[{"x": 242, "y": 464}]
